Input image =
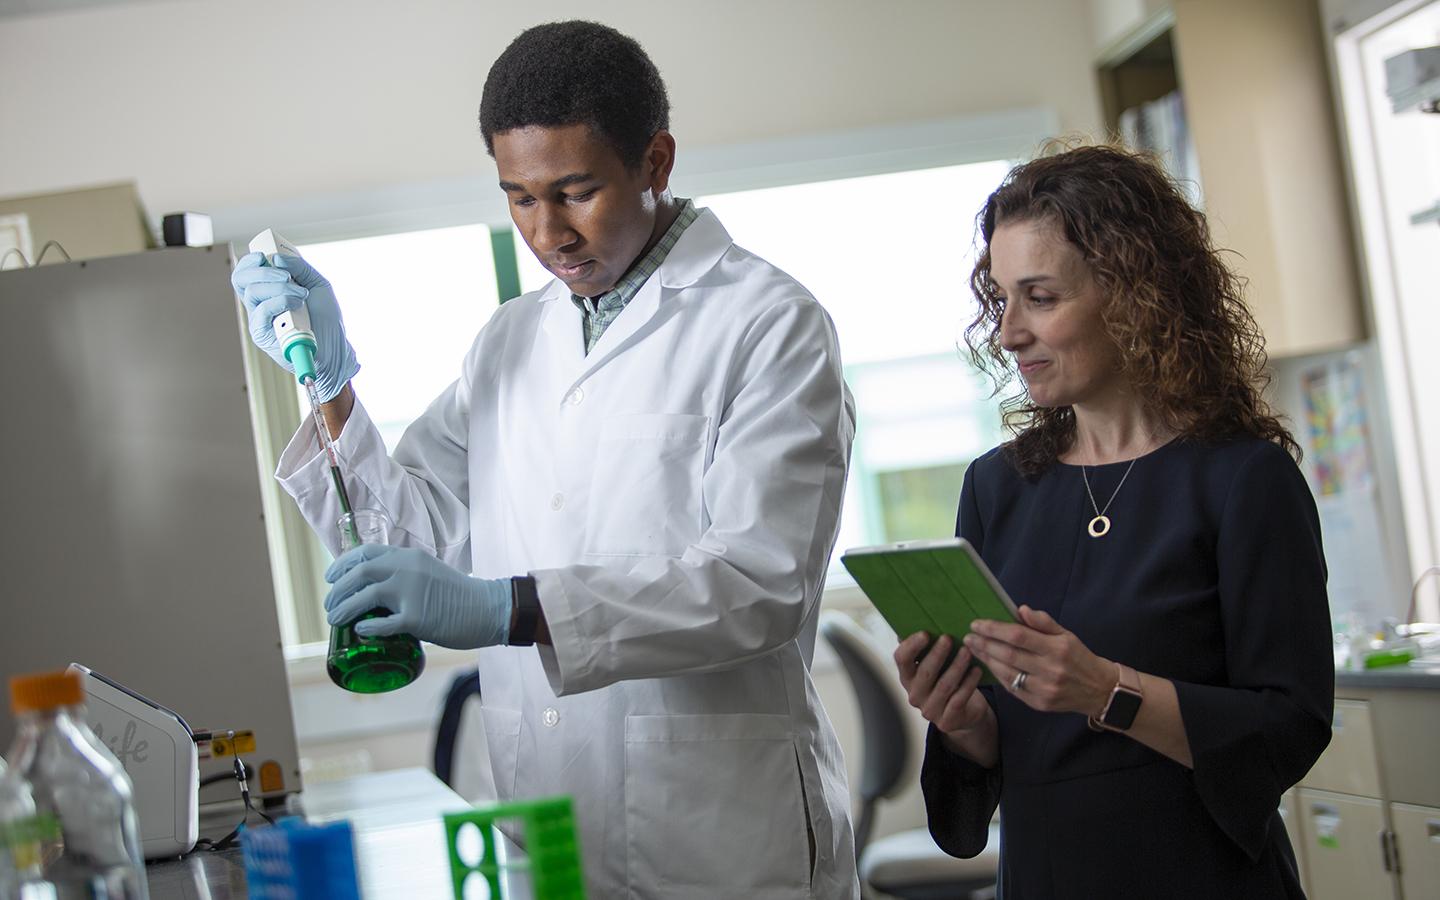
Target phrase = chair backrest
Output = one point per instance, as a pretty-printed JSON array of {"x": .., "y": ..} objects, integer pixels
[
  {"x": 464, "y": 686},
  {"x": 887, "y": 754}
]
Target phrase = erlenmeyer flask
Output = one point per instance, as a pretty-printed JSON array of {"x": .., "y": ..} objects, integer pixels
[{"x": 370, "y": 665}]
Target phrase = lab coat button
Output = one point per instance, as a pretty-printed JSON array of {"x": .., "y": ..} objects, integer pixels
[
  {"x": 575, "y": 397},
  {"x": 551, "y": 717},
  {"x": 557, "y": 501}
]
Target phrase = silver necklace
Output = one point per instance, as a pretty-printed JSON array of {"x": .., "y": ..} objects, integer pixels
[{"x": 1100, "y": 525}]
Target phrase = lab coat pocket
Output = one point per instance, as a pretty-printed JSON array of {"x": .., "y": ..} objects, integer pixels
[
  {"x": 645, "y": 497},
  {"x": 714, "y": 807},
  {"x": 502, "y": 740}
]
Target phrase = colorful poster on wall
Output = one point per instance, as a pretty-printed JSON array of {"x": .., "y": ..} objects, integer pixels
[{"x": 1335, "y": 419}]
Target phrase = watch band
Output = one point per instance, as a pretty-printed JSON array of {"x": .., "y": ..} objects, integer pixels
[
  {"x": 1119, "y": 716},
  {"x": 527, "y": 611}
]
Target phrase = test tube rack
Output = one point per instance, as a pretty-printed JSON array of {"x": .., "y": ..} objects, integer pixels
[
  {"x": 295, "y": 861},
  {"x": 552, "y": 852}
]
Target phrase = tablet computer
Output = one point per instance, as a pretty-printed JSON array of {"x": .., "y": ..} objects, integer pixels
[{"x": 938, "y": 587}]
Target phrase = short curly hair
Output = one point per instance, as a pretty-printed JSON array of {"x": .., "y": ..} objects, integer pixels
[
  {"x": 1172, "y": 307},
  {"x": 577, "y": 73}
]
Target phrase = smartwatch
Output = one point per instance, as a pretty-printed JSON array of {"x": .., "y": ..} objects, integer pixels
[
  {"x": 527, "y": 611},
  {"x": 1124, "y": 703}
]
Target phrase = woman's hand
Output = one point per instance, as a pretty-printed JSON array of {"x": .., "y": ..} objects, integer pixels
[
  {"x": 948, "y": 698},
  {"x": 1061, "y": 674}
]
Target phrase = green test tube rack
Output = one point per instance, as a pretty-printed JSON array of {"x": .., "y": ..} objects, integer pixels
[{"x": 552, "y": 852}]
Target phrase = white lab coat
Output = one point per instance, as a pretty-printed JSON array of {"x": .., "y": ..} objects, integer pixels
[{"x": 676, "y": 495}]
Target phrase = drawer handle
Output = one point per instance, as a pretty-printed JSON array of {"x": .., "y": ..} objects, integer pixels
[{"x": 1432, "y": 829}]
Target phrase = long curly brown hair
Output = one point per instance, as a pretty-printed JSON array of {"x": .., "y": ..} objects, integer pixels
[{"x": 1174, "y": 310}]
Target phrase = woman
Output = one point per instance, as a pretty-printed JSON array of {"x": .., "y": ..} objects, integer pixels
[{"x": 1171, "y": 672}]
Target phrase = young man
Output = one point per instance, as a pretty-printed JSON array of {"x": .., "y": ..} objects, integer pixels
[{"x": 640, "y": 468}]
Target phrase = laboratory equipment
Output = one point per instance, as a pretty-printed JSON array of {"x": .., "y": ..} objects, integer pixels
[
  {"x": 292, "y": 327},
  {"x": 75, "y": 779},
  {"x": 551, "y": 860},
  {"x": 370, "y": 665},
  {"x": 426, "y": 597},
  {"x": 208, "y": 570},
  {"x": 297, "y": 345},
  {"x": 295, "y": 861},
  {"x": 157, "y": 750}
]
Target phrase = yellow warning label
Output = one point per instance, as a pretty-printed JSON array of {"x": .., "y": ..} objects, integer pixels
[{"x": 243, "y": 742}]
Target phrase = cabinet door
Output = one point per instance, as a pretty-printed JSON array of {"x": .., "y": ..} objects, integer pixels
[
  {"x": 1256, "y": 91},
  {"x": 1343, "y": 855},
  {"x": 1349, "y": 765},
  {"x": 1417, "y": 837},
  {"x": 1290, "y": 815}
]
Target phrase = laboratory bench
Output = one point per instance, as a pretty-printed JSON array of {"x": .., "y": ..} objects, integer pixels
[
  {"x": 399, "y": 840},
  {"x": 1365, "y": 820}
]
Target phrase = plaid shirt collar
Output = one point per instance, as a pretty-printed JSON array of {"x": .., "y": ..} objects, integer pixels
[{"x": 599, "y": 312}]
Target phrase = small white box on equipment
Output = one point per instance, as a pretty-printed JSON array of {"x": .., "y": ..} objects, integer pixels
[{"x": 158, "y": 752}]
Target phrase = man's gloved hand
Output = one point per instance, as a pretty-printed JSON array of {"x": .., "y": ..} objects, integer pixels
[
  {"x": 291, "y": 282},
  {"x": 426, "y": 598}
]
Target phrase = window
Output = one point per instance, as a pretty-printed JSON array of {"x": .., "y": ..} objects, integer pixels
[
  {"x": 889, "y": 256},
  {"x": 413, "y": 304},
  {"x": 1393, "y": 162}
]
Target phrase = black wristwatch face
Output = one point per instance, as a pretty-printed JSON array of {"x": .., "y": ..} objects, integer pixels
[{"x": 1123, "y": 708}]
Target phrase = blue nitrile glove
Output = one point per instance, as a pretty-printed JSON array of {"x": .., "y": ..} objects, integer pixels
[
  {"x": 426, "y": 598},
  {"x": 268, "y": 290}
]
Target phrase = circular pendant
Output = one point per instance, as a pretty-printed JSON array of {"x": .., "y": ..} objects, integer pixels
[{"x": 1099, "y": 526}]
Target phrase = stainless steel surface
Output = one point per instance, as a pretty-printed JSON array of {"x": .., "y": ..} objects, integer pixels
[
  {"x": 399, "y": 840},
  {"x": 199, "y": 876},
  {"x": 133, "y": 540}
]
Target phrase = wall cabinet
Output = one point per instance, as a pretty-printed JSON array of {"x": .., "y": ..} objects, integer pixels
[{"x": 1258, "y": 105}]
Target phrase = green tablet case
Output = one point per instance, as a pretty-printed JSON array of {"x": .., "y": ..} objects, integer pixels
[{"x": 934, "y": 586}]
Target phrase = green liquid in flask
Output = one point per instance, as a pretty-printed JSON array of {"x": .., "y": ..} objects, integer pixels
[
  {"x": 370, "y": 665},
  {"x": 373, "y": 665}
]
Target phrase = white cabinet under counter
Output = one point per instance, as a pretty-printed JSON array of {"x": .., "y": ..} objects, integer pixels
[{"x": 1369, "y": 809}]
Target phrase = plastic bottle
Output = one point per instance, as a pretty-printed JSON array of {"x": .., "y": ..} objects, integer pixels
[
  {"x": 95, "y": 852},
  {"x": 371, "y": 665},
  {"x": 21, "y": 831}
]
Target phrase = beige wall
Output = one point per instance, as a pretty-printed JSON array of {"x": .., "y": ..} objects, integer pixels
[{"x": 210, "y": 105}]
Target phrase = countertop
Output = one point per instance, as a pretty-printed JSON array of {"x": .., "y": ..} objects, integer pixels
[
  {"x": 399, "y": 840},
  {"x": 1389, "y": 677}
]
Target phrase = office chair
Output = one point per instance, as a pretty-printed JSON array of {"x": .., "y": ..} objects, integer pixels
[
  {"x": 907, "y": 865},
  {"x": 464, "y": 686}
]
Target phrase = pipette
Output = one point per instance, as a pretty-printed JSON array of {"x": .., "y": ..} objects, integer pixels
[{"x": 297, "y": 344}]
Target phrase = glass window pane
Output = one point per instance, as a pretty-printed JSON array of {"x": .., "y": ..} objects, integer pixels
[
  {"x": 889, "y": 256},
  {"x": 413, "y": 304}
]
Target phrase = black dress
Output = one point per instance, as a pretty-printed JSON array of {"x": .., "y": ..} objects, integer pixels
[{"x": 1212, "y": 576}]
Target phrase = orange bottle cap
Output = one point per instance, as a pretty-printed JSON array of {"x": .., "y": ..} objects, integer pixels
[{"x": 46, "y": 690}]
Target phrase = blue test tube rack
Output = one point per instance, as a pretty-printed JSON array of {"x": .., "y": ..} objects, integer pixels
[{"x": 295, "y": 861}]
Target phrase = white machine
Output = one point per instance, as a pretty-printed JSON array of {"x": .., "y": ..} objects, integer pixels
[{"x": 158, "y": 752}]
